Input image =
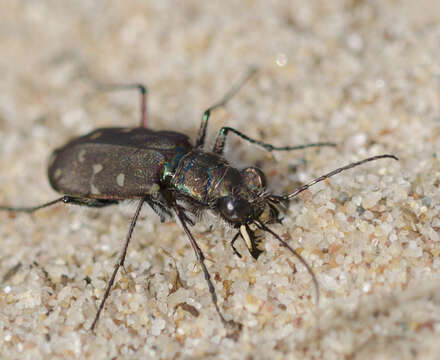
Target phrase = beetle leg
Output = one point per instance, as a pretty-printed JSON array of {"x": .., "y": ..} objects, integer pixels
[
  {"x": 35, "y": 208},
  {"x": 221, "y": 139},
  {"x": 159, "y": 204},
  {"x": 160, "y": 209},
  {"x": 185, "y": 217},
  {"x": 142, "y": 90},
  {"x": 119, "y": 263},
  {"x": 64, "y": 199},
  {"x": 233, "y": 247},
  {"x": 204, "y": 125},
  {"x": 201, "y": 259}
]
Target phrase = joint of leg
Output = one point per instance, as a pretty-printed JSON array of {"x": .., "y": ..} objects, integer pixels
[{"x": 142, "y": 88}]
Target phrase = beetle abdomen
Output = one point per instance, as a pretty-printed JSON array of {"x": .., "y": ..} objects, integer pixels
[{"x": 116, "y": 163}]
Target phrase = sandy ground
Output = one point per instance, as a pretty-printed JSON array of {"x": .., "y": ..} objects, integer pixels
[{"x": 364, "y": 74}]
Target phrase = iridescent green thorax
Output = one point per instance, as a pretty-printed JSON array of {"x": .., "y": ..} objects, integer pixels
[
  {"x": 197, "y": 175},
  {"x": 170, "y": 166}
]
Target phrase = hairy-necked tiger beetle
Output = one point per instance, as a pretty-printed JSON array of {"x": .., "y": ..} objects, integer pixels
[{"x": 166, "y": 171}]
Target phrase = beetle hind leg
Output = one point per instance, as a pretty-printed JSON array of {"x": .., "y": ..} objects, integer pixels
[
  {"x": 66, "y": 199},
  {"x": 32, "y": 209}
]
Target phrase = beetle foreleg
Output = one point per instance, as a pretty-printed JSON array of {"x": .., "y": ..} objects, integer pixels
[
  {"x": 233, "y": 246},
  {"x": 201, "y": 259}
]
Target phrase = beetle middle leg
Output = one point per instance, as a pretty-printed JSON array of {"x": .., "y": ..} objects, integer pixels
[
  {"x": 221, "y": 140},
  {"x": 205, "y": 118}
]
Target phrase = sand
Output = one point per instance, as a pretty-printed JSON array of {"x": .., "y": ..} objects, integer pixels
[{"x": 363, "y": 74}]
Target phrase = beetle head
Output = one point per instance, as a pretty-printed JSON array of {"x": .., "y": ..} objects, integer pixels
[
  {"x": 245, "y": 200},
  {"x": 246, "y": 204}
]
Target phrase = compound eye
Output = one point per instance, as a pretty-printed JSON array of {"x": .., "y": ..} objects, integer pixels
[{"x": 234, "y": 209}]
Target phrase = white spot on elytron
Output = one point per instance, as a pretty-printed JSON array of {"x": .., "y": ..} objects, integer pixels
[
  {"x": 230, "y": 206},
  {"x": 120, "y": 179},
  {"x": 81, "y": 155},
  {"x": 97, "y": 168},
  {"x": 96, "y": 135},
  {"x": 94, "y": 190},
  {"x": 58, "y": 173},
  {"x": 246, "y": 237}
]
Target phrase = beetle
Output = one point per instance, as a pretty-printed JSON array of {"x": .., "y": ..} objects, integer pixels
[{"x": 175, "y": 178}]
